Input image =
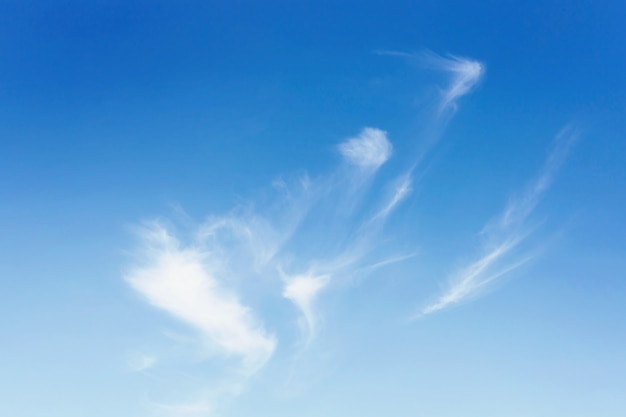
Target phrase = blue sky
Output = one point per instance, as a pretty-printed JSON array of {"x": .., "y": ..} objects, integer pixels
[{"x": 294, "y": 208}]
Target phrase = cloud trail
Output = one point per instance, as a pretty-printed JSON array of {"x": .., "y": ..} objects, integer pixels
[
  {"x": 302, "y": 291},
  {"x": 464, "y": 73},
  {"x": 504, "y": 234},
  {"x": 401, "y": 190}
]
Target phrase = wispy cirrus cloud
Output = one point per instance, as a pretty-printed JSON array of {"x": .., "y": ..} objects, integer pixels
[
  {"x": 303, "y": 290},
  {"x": 312, "y": 233},
  {"x": 465, "y": 73},
  {"x": 400, "y": 189},
  {"x": 504, "y": 234}
]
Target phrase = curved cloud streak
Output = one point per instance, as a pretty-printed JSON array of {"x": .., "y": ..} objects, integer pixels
[
  {"x": 302, "y": 291},
  {"x": 465, "y": 73},
  {"x": 504, "y": 234}
]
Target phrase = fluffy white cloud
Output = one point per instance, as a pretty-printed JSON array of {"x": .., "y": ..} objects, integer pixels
[
  {"x": 177, "y": 280},
  {"x": 369, "y": 150}
]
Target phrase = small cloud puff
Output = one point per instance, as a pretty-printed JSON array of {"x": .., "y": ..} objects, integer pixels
[{"x": 369, "y": 150}]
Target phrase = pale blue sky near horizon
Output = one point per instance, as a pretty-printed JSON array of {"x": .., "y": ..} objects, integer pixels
[{"x": 298, "y": 208}]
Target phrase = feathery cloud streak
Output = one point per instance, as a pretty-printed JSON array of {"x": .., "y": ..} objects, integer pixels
[
  {"x": 464, "y": 73},
  {"x": 504, "y": 234},
  {"x": 302, "y": 291}
]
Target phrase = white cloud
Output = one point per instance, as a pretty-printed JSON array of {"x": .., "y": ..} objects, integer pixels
[
  {"x": 518, "y": 209},
  {"x": 475, "y": 276},
  {"x": 401, "y": 190},
  {"x": 504, "y": 234},
  {"x": 465, "y": 74},
  {"x": 390, "y": 261},
  {"x": 369, "y": 150},
  {"x": 177, "y": 280},
  {"x": 302, "y": 290}
]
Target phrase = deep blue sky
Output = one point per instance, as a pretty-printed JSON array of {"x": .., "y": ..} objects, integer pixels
[{"x": 114, "y": 113}]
